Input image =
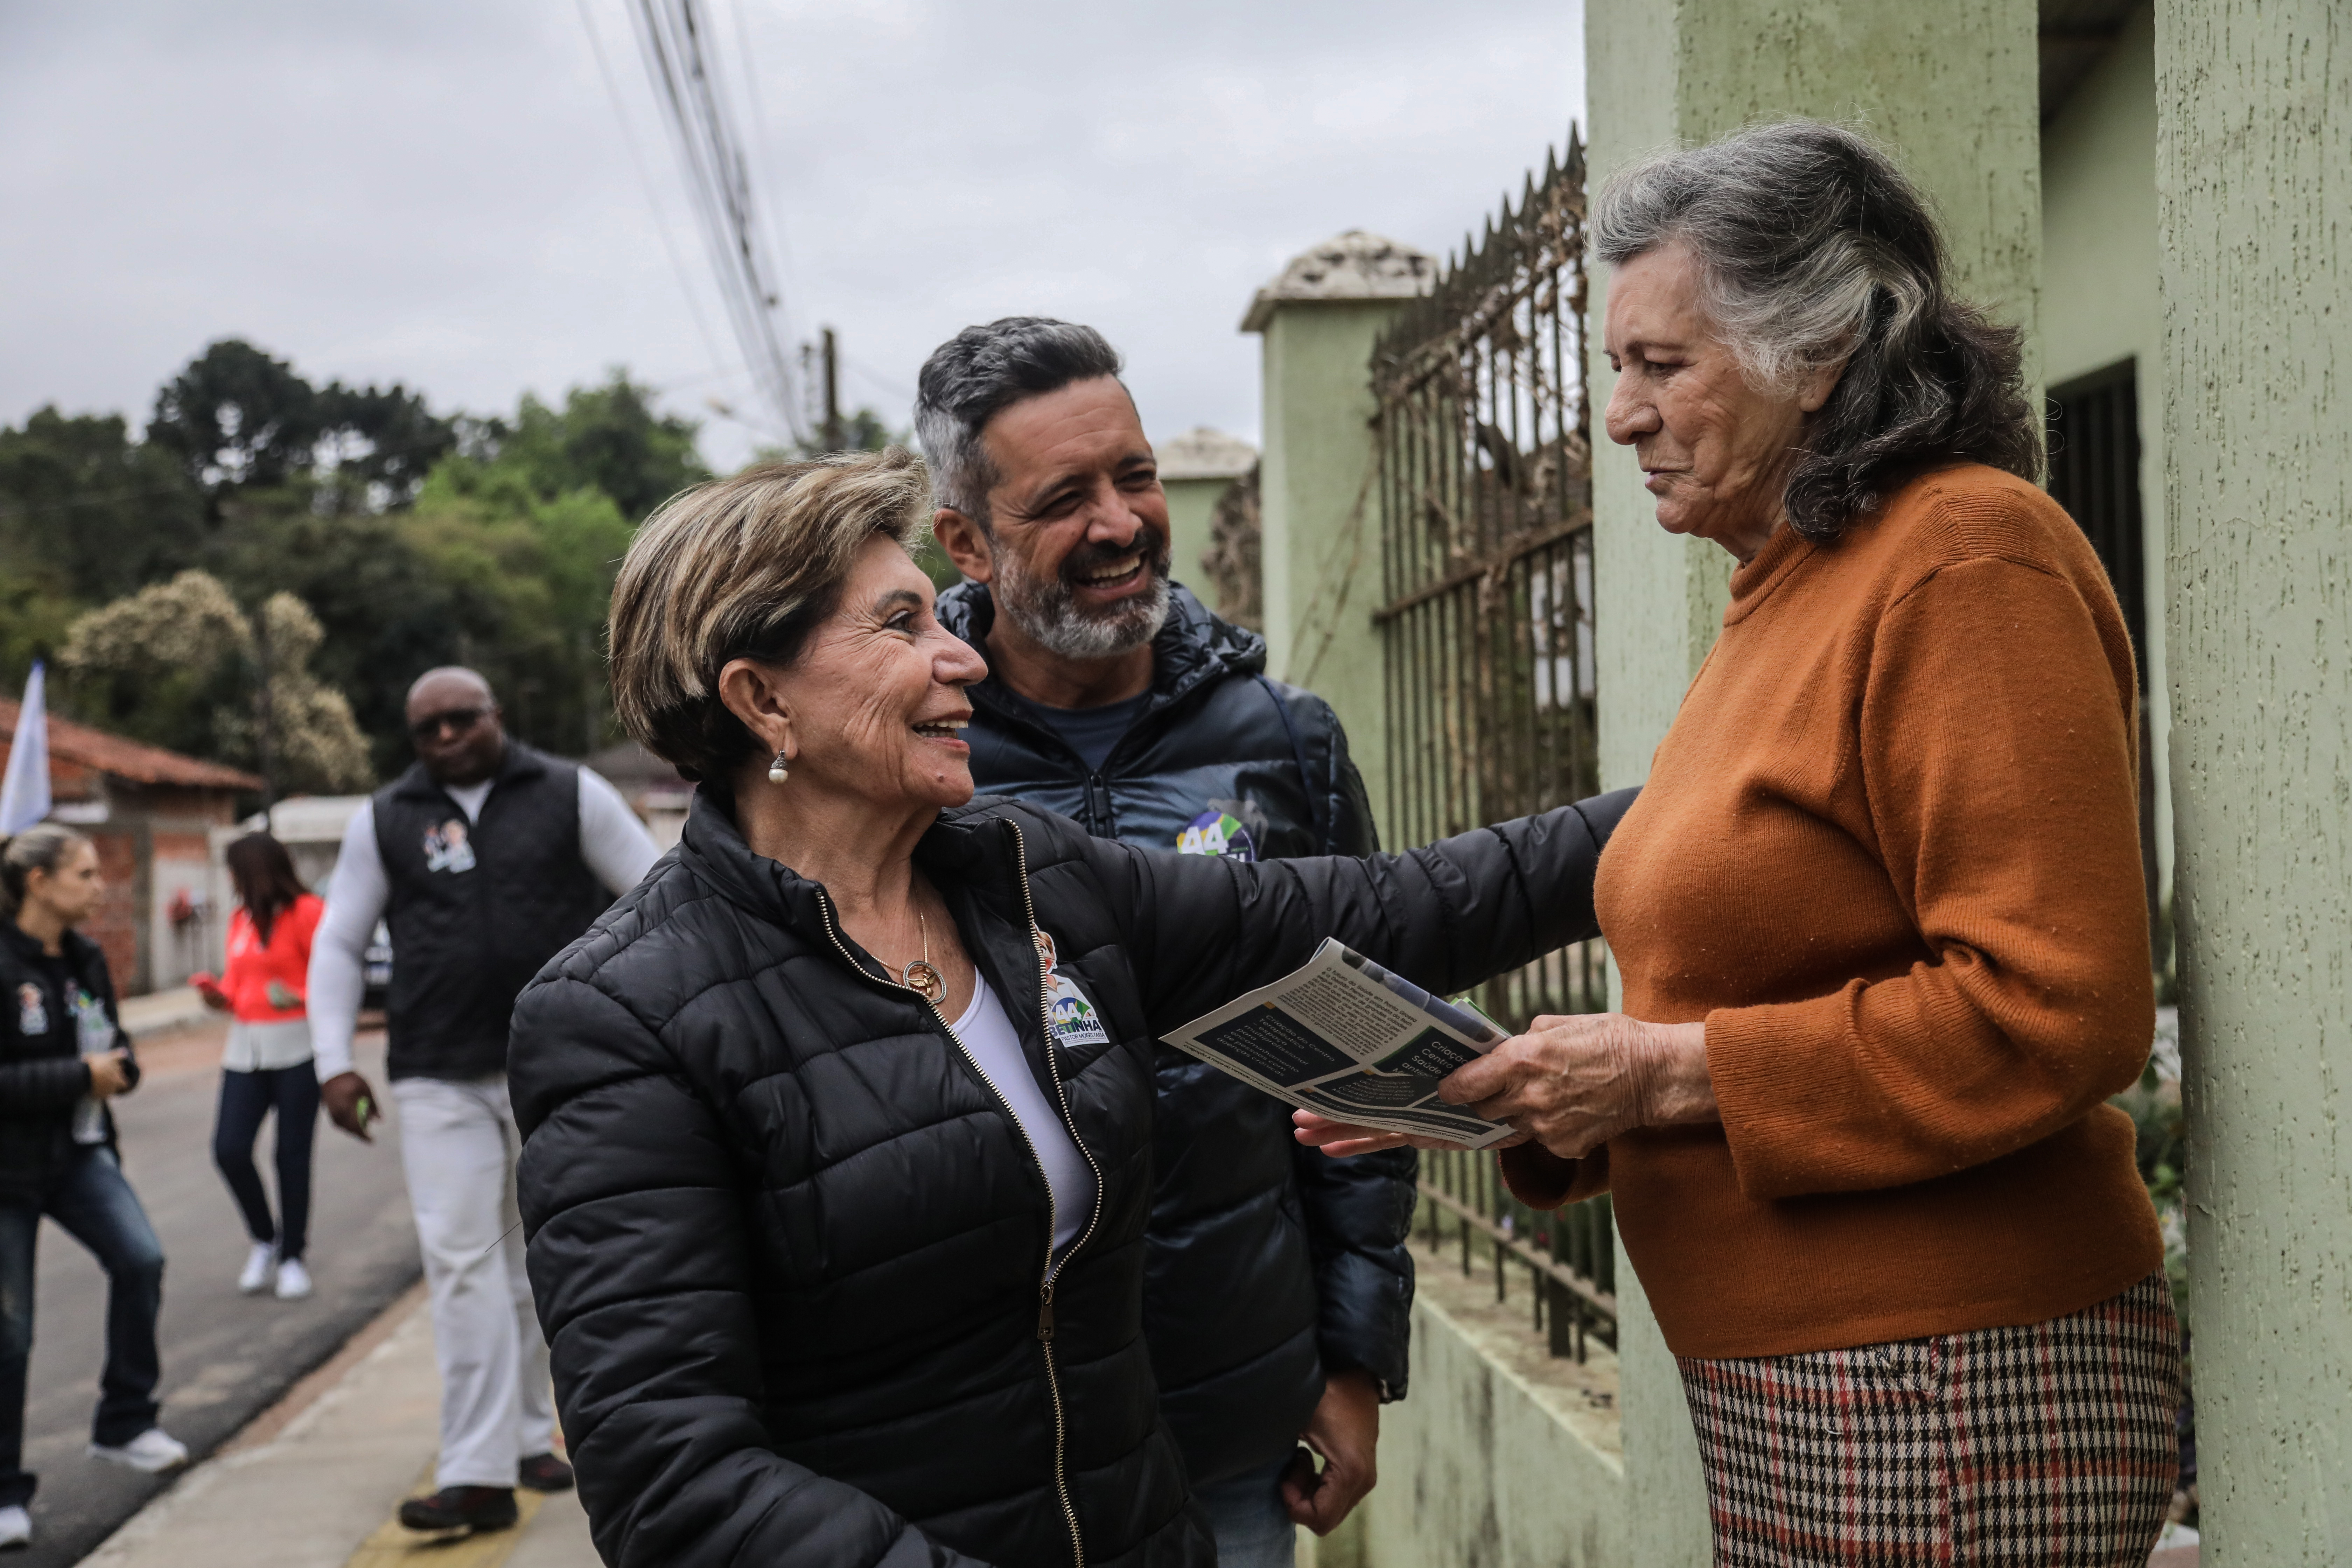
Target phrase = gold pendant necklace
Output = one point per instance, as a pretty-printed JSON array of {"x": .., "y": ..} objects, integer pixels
[{"x": 921, "y": 975}]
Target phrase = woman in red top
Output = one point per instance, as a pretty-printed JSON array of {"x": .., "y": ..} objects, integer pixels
[{"x": 267, "y": 1060}]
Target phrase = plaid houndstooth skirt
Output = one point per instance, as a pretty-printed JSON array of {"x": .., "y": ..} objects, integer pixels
[{"x": 2049, "y": 1446}]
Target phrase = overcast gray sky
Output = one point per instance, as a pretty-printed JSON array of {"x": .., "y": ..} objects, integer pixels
[{"x": 445, "y": 193}]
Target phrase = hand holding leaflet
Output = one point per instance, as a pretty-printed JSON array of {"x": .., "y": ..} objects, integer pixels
[{"x": 1345, "y": 1039}]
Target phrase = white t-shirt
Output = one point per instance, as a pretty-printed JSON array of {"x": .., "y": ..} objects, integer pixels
[
  {"x": 989, "y": 1037},
  {"x": 612, "y": 842}
]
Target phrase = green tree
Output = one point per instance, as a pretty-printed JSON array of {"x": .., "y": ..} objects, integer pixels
[
  {"x": 530, "y": 584},
  {"x": 86, "y": 514},
  {"x": 411, "y": 538},
  {"x": 389, "y": 614},
  {"x": 604, "y": 437},
  {"x": 238, "y": 418},
  {"x": 180, "y": 664}
]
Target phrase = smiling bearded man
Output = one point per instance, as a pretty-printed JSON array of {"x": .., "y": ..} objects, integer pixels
[{"x": 1277, "y": 1289}]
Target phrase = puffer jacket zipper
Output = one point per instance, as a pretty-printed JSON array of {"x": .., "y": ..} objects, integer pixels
[
  {"x": 1053, "y": 1067},
  {"x": 1062, "y": 1103}
]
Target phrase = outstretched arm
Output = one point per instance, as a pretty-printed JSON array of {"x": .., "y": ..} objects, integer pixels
[{"x": 1448, "y": 915}]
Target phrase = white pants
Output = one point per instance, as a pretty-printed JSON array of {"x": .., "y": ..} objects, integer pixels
[{"x": 459, "y": 1143}]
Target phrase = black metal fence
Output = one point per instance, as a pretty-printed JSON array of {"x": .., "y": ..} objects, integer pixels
[{"x": 1485, "y": 509}]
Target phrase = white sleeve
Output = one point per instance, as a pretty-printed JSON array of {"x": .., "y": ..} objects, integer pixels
[
  {"x": 356, "y": 894},
  {"x": 611, "y": 840}
]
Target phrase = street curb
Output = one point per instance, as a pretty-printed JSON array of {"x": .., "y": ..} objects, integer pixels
[
  {"x": 305, "y": 1392},
  {"x": 137, "y": 1537},
  {"x": 163, "y": 1011}
]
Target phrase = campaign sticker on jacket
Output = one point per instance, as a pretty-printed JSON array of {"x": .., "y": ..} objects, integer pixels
[
  {"x": 448, "y": 848},
  {"x": 32, "y": 1010},
  {"x": 1217, "y": 832},
  {"x": 1075, "y": 1023},
  {"x": 93, "y": 1030}
]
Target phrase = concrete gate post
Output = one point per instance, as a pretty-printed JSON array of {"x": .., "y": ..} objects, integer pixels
[
  {"x": 1196, "y": 468},
  {"x": 1950, "y": 87},
  {"x": 1318, "y": 502},
  {"x": 2254, "y": 134}
]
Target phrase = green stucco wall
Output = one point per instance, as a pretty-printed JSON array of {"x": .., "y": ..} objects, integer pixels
[
  {"x": 1191, "y": 505},
  {"x": 2100, "y": 305},
  {"x": 2255, "y": 115},
  {"x": 1320, "y": 517},
  {"x": 1481, "y": 1469},
  {"x": 1951, "y": 87}
]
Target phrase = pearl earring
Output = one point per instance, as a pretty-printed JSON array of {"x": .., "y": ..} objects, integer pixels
[{"x": 777, "y": 772}]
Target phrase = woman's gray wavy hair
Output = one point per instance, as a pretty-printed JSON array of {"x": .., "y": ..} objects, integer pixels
[{"x": 1814, "y": 250}]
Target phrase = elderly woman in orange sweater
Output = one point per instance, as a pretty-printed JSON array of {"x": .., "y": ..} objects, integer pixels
[{"x": 1878, "y": 911}]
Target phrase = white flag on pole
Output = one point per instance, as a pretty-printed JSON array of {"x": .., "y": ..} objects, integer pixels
[{"x": 25, "y": 794}]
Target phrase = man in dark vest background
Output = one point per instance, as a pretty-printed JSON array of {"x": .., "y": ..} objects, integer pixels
[{"x": 485, "y": 858}]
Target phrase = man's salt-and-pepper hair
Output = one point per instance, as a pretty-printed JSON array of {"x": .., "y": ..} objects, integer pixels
[
  {"x": 975, "y": 375},
  {"x": 1814, "y": 248},
  {"x": 746, "y": 567}
]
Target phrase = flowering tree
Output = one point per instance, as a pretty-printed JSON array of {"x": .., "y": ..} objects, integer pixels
[{"x": 180, "y": 664}]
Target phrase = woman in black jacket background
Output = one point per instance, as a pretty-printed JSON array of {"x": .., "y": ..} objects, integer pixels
[
  {"x": 63, "y": 1056},
  {"x": 838, "y": 1125}
]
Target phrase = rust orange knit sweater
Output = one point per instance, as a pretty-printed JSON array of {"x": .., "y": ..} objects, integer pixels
[{"x": 1889, "y": 853}]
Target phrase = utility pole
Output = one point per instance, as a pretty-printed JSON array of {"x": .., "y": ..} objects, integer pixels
[
  {"x": 265, "y": 708},
  {"x": 832, "y": 433}
]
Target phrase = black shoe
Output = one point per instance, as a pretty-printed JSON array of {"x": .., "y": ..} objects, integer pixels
[
  {"x": 461, "y": 1508},
  {"x": 546, "y": 1473}
]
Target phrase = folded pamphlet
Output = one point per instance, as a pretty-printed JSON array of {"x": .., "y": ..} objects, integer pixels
[{"x": 1345, "y": 1039}]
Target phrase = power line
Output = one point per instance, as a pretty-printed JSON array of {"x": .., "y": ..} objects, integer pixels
[
  {"x": 756, "y": 98},
  {"x": 675, "y": 40},
  {"x": 645, "y": 178}
]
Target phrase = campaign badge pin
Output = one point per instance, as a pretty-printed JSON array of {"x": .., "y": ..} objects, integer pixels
[
  {"x": 448, "y": 848},
  {"x": 32, "y": 1010},
  {"x": 1215, "y": 832},
  {"x": 1075, "y": 1023}
]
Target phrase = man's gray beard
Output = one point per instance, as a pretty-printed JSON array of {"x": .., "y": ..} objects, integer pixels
[{"x": 1047, "y": 612}]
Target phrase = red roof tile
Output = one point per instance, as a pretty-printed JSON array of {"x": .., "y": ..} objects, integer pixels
[{"x": 126, "y": 759}]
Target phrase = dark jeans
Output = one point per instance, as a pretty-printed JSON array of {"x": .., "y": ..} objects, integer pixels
[
  {"x": 96, "y": 1207},
  {"x": 245, "y": 1099}
]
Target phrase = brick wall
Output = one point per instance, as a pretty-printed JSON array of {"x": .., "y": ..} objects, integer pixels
[{"x": 116, "y": 927}]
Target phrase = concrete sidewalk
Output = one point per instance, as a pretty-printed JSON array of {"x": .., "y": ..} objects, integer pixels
[
  {"x": 315, "y": 1482},
  {"x": 161, "y": 1012}
]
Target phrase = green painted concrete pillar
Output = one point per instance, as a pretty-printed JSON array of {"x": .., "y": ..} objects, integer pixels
[
  {"x": 1951, "y": 88},
  {"x": 1196, "y": 468},
  {"x": 1319, "y": 503},
  {"x": 2254, "y": 134}
]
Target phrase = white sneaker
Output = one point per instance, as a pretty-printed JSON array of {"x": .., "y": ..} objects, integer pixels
[
  {"x": 15, "y": 1528},
  {"x": 154, "y": 1451},
  {"x": 258, "y": 1265},
  {"x": 293, "y": 1280}
]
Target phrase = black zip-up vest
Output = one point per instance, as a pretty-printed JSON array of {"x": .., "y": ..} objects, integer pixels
[{"x": 475, "y": 908}]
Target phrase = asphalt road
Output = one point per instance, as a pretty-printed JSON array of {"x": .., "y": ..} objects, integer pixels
[{"x": 227, "y": 1357}]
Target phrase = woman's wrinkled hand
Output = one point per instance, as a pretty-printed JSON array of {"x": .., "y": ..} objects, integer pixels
[{"x": 1574, "y": 1082}]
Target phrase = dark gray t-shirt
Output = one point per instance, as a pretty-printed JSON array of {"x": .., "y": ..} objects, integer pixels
[{"x": 1090, "y": 731}]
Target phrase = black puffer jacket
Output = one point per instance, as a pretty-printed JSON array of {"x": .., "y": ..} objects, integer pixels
[
  {"x": 1215, "y": 729},
  {"x": 788, "y": 1245},
  {"x": 1267, "y": 1266},
  {"x": 43, "y": 1078}
]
